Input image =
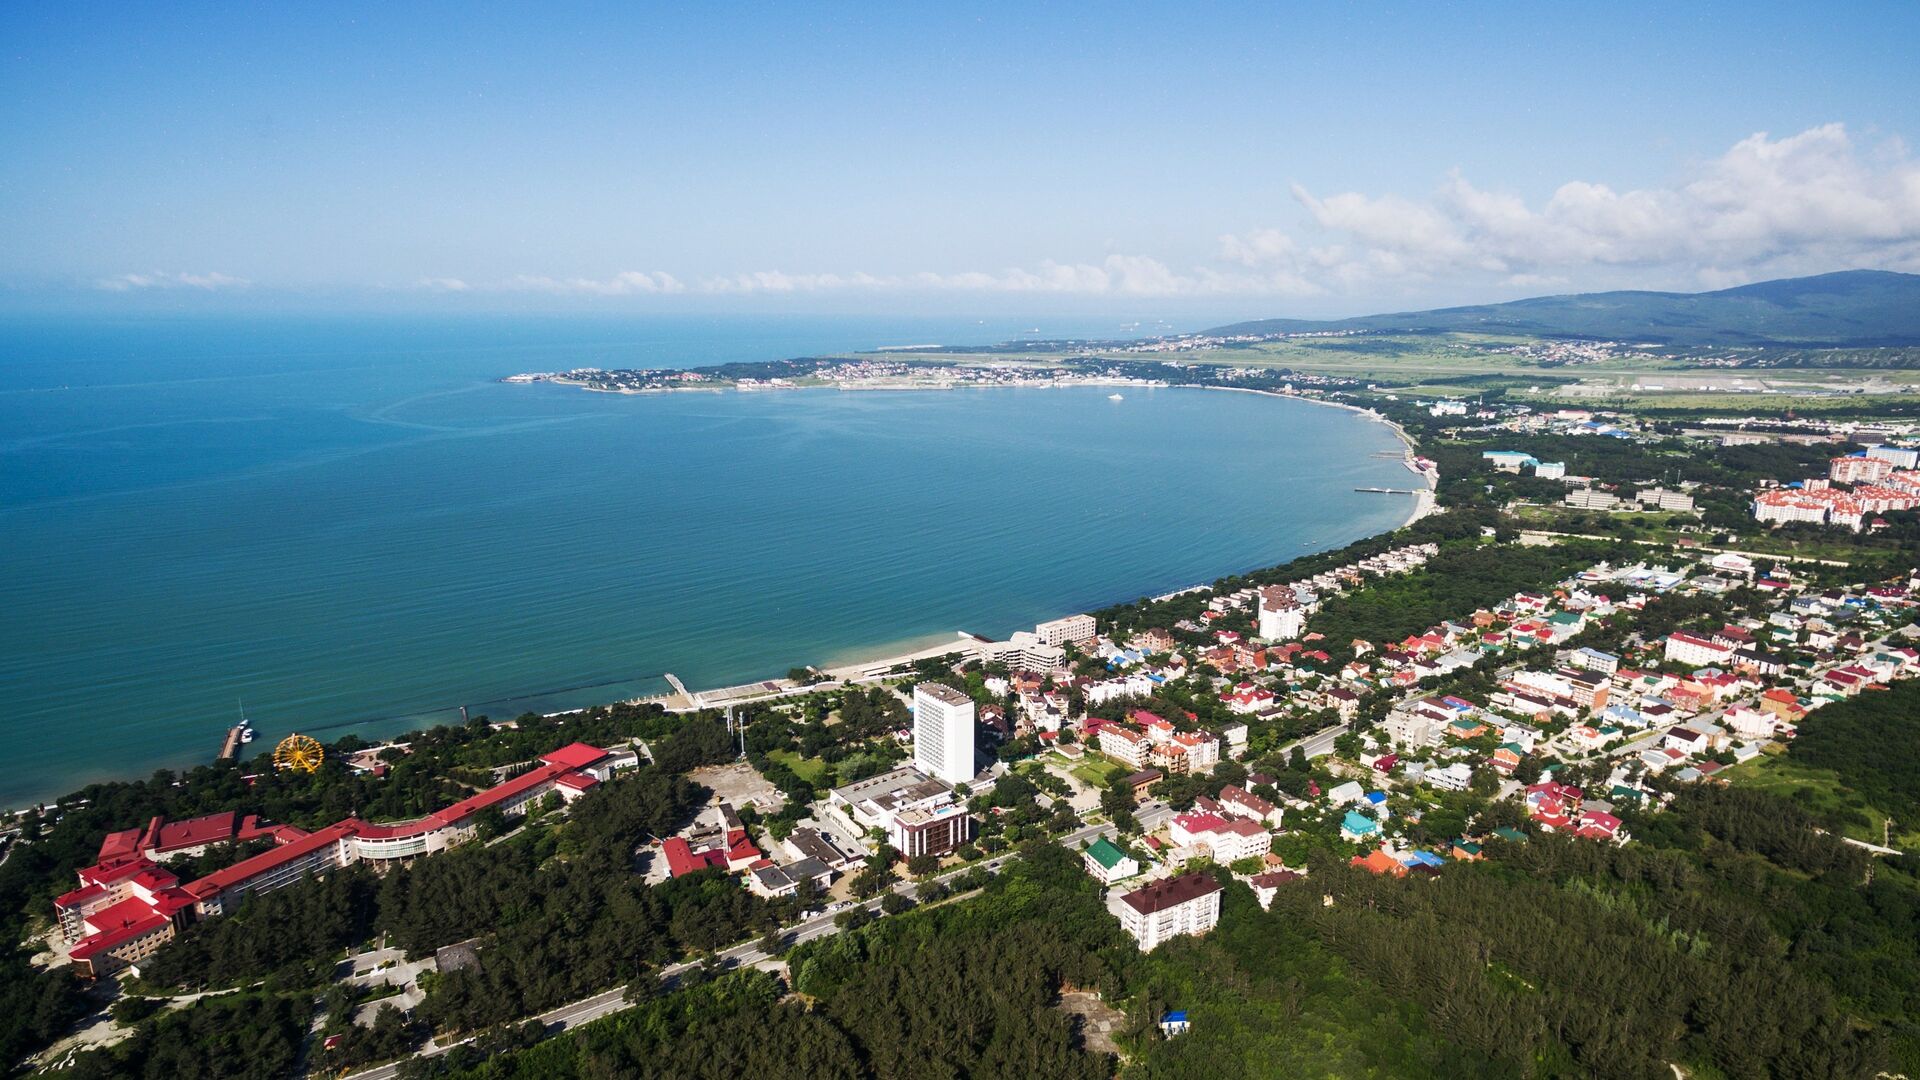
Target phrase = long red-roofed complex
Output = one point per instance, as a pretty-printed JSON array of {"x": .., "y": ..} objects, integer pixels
[{"x": 127, "y": 905}]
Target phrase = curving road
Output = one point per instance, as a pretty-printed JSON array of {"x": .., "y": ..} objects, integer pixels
[{"x": 745, "y": 954}]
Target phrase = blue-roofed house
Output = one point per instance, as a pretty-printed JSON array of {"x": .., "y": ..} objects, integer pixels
[{"x": 1174, "y": 1023}]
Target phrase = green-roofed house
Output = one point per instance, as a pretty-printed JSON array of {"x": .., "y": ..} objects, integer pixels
[
  {"x": 1465, "y": 850},
  {"x": 1108, "y": 863},
  {"x": 1565, "y": 624},
  {"x": 1510, "y": 834}
]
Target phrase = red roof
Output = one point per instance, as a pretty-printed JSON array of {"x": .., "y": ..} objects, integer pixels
[
  {"x": 576, "y": 781},
  {"x": 246, "y": 869},
  {"x": 78, "y": 896},
  {"x": 118, "y": 923},
  {"x": 1169, "y": 892},
  {"x": 575, "y": 756},
  {"x": 107, "y": 874},
  {"x": 505, "y": 792},
  {"x": 681, "y": 860},
  {"x": 119, "y": 845},
  {"x": 193, "y": 832}
]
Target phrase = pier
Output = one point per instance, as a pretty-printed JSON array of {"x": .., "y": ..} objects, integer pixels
[
  {"x": 692, "y": 699},
  {"x": 1389, "y": 491},
  {"x": 231, "y": 748}
]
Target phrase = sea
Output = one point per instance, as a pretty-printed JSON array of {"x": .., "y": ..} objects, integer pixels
[{"x": 351, "y": 525}]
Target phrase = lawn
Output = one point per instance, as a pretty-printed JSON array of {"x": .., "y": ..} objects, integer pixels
[
  {"x": 1095, "y": 771},
  {"x": 1820, "y": 791},
  {"x": 809, "y": 769}
]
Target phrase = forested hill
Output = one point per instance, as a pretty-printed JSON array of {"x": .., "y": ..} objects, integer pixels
[{"x": 1856, "y": 308}]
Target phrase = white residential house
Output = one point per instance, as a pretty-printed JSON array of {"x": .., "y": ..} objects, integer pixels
[{"x": 1187, "y": 904}]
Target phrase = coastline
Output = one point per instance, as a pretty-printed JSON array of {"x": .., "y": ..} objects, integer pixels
[
  {"x": 1425, "y": 502},
  {"x": 861, "y": 664},
  {"x": 843, "y": 672}
]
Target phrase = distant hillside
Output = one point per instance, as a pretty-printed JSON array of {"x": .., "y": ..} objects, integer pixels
[{"x": 1853, "y": 308}]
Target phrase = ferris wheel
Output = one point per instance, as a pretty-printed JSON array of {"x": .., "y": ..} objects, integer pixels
[{"x": 300, "y": 753}]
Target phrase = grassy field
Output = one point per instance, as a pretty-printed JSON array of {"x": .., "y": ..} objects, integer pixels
[
  {"x": 1820, "y": 791},
  {"x": 1095, "y": 771},
  {"x": 809, "y": 769}
]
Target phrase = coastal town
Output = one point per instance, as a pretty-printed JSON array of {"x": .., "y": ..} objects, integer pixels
[
  {"x": 1225, "y": 735},
  {"x": 937, "y": 542}
]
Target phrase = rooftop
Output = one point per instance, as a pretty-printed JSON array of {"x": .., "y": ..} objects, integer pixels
[{"x": 1171, "y": 892}]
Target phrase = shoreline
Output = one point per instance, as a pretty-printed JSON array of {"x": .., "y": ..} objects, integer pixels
[
  {"x": 1425, "y": 503},
  {"x": 857, "y": 665}
]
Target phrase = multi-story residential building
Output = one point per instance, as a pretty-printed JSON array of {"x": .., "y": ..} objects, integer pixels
[
  {"x": 1078, "y": 629},
  {"x": 1900, "y": 457},
  {"x": 1024, "y": 652},
  {"x": 1861, "y": 468},
  {"x": 1282, "y": 616},
  {"x": 1202, "y": 749},
  {"x": 1659, "y": 498},
  {"x": 1136, "y": 684},
  {"x": 1592, "y": 499},
  {"x": 1694, "y": 651},
  {"x": 1230, "y": 839},
  {"x": 1238, "y": 800},
  {"x": 943, "y": 732},
  {"x": 1187, "y": 904},
  {"x": 1589, "y": 659},
  {"x": 1130, "y": 748}
]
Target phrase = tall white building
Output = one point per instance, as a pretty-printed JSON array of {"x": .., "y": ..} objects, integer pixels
[
  {"x": 1282, "y": 616},
  {"x": 943, "y": 732}
]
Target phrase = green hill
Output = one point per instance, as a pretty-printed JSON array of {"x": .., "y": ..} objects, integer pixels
[{"x": 1853, "y": 308}]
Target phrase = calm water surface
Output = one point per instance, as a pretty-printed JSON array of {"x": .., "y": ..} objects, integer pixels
[{"x": 354, "y": 526}]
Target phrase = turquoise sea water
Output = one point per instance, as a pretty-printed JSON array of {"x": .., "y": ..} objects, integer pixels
[{"x": 353, "y": 527}]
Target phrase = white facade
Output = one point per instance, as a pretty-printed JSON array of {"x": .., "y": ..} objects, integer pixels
[
  {"x": 1133, "y": 685},
  {"x": 1024, "y": 652},
  {"x": 1695, "y": 651},
  {"x": 943, "y": 733},
  {"x": 1282, "y": 617},
  {"x": 1902, "y": 457},
  {"x": 1188, "y": 904},
  {"x": 1078, "y": 629}
]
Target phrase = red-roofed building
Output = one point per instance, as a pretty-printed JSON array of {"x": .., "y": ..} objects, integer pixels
[
  {"x": 120, "y": 935},
  {"x": 109, "y": 934},
  {"x": 573, "y": 785}
]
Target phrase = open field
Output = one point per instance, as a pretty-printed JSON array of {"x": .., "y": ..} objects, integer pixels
[
  {"x": 1821, "y": 792},
  {"x": 812, "y": 770},
  {"x": 1094, "y": 771}
]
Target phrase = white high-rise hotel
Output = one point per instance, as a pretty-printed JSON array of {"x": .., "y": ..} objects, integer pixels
[{"x": 943, "y": 732}]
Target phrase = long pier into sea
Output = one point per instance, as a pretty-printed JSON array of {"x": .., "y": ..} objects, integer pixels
[{"x": 1389, "y": 491}]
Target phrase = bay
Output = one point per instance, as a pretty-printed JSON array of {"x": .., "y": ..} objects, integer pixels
[{"x": 351, "y": 525}]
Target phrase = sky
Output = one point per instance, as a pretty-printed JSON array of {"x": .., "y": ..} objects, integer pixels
[{"x": 1239, "y": 160}]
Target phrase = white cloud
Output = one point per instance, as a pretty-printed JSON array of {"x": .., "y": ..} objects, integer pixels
[
  {"x": 626, "y": 283},
  {"x": 163, "y": 279},
  {"x": 1767, "y": 206}
]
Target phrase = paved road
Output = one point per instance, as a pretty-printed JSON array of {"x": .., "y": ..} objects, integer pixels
[
  {"x": 745, "y": 954},
  {"x": 1319, "y": 744}
]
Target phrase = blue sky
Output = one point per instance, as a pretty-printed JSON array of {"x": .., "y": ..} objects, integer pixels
[{"x": 1231, "y": 159}]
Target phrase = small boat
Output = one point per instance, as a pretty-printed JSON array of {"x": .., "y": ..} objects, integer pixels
[{"x": 1115, "y": 397}]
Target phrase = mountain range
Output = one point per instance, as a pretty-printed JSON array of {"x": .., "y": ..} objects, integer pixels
[{"x": 1848, "y": 309}]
